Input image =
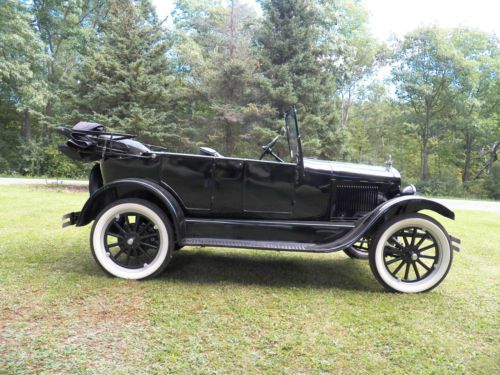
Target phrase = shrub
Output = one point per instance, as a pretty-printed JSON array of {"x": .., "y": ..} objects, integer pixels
[
  {"x": 492, "y": 183},
  {"x": 444, "y": 185},
  {"x": 36, "y": 158}
]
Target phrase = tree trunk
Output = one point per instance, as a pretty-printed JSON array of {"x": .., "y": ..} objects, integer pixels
[
  {"x": 488, "y": 167},
  {"x": 425, "y": 159},
  {"x": 424, "y": 162},
  {"x": 48, "y": 116},
  {"x": 345, "y": 107},
  {"x": 469, "y": 139},
  {"x": 493, "y": 156},
  {"x": 228, "y": 139},
  {"x": 232, "y": 43},
  {"x": 26, "y": 129}
]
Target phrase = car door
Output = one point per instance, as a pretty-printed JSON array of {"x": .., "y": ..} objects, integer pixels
[
  {"x": 227, "y": 195},
  {"x": 268, "y": 188},
  {"x": 190, "y": 177}
]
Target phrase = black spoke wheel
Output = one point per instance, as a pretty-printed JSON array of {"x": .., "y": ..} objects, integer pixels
[
  {"x": 359, "y": 250},
  {"x": 410, "y": 253},
  {"x": 132, "y": 240}
]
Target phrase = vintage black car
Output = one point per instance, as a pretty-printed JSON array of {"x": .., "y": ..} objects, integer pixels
[{"x": 147, "y": 202}]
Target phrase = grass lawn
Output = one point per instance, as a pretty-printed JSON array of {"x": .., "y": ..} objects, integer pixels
[{"x": 234, "y": 311}]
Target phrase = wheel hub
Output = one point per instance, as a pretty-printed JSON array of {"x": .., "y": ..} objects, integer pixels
[
  {"x": 132, "y": 241},
  {"x": 409, "y": 255}
]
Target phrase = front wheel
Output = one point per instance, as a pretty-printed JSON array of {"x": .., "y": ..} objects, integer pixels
[
  {"x": 410, "y": 254},
  {"x": 132, "y": 239}
]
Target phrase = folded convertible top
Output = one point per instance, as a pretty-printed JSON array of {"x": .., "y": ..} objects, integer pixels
[{"x": 88, "y": 141}]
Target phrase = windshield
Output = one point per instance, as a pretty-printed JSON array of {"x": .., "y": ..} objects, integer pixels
[{"x": 293, "y": 135}]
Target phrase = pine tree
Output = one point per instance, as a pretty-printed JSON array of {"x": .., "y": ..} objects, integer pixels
[
  {"x": 22, "y": 86},
  {"x": 294, "y": 57},
  {"x": 221, "y": 77},
  {"x": 124, "y": 84}
]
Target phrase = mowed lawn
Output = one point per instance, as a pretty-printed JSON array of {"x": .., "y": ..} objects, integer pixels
[{"x": 234, "y": 311}]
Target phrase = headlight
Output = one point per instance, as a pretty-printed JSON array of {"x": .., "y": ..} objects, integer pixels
[{"x": 409, "y": 190}]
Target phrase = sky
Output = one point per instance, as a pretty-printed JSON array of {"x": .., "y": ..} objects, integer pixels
[
  {"x": 401, "y": 16},
  {"x": 398, "y": 17},
  {"x": 163, "y": 7}
]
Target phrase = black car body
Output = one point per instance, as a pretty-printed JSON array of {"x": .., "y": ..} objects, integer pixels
[{"x": 300, "y": 204}]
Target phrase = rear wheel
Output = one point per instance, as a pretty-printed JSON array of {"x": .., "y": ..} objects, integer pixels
[
  {"x": 359, "y": 250},
  {"x": 132, "y": 239},
  {"x": 410, "y": 254}
]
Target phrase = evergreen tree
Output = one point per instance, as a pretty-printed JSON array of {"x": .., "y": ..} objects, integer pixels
[
  {"x": 22, "y": 87},
  {"x": 294, "y": 56},
  {"x": 124, "y": 84},
  {"x": 221, "y": 76}
]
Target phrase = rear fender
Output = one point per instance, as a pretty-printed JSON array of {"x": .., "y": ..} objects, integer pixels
[
  {"x": 95, "y": 179},
  {"x": 133, "y": 188}
]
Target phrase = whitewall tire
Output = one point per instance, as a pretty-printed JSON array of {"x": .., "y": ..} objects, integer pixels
[
  {"x": 410, "y": 254},
  {"x": 132, "y": 239}
]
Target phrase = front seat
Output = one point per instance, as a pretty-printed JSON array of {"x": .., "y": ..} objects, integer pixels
[{"x": 207, "y": 151}]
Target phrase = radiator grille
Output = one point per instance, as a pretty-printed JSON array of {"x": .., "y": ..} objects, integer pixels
[{"x": 352, "y": 200}]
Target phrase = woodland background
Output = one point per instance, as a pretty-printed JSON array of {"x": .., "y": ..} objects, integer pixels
[{"x": 221, "y": 74}]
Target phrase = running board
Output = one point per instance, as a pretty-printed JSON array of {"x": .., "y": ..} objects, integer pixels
[
  {"x": 301, "y": 236},
  {"x": 263, "y": 234},
  {"x": 249, "y": 244},
  {"x": 339, "y": 244}
]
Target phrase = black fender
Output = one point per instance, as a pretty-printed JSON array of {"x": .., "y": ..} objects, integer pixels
[
  {"x": 95, "y": 179},
  {"x": 408, "y": 204},
  {"x": 385, "y": 211},
  {"x": 133, "y": 188}
]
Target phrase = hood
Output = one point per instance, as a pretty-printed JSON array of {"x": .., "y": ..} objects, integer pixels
[{"x": 341, "y": 169}]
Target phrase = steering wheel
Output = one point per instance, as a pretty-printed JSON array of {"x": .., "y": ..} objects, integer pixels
[{"x": 268, "y": 149}]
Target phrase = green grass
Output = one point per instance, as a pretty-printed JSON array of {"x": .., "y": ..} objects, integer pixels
[{"x": 234, "y": 311}]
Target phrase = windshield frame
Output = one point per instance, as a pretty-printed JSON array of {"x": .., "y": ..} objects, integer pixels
[{"x": 291, "y": 119}]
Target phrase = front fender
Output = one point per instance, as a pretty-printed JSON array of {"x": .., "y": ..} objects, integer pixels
[
  {"x": 132, "y": 188},
  {"x": 409, "y": 204},
  {"x": 385, "y": 211}
]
